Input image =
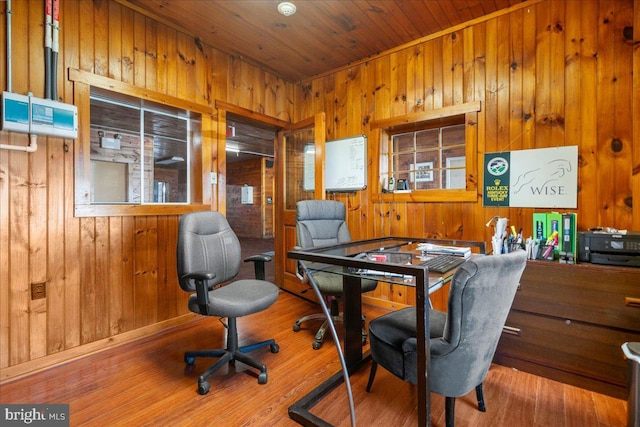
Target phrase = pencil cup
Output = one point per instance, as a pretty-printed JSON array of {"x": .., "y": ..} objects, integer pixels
[{"x": 545, "y": 252}]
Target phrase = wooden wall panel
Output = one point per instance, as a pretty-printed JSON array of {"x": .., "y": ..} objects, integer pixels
[
  {"x": 551, "y": 74},
  {"x": 106, "y": 277}
]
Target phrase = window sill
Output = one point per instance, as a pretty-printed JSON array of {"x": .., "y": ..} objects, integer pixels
[
  {"x": 136, "y": 210},
  {"x": 452, "y": 196}
]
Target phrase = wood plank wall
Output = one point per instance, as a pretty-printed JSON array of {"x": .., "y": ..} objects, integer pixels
[
  {"x": 550, "y": 74},
  {"x": 107, "y": 278},
  {"x": 547, "y": 74}
]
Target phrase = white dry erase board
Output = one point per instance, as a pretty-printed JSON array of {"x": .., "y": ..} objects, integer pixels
[{"x": 346, "y": 164}]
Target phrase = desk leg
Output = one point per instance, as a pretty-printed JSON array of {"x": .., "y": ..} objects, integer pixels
[
  {"x": 424, "y": 350},
  {"x": 352, "y": 312},
  {"x": 352, "y": 349}
]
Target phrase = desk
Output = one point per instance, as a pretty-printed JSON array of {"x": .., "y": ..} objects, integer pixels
[{"x": 343, "y": 259}]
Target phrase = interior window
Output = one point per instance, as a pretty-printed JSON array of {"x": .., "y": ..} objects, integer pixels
[
  {"x": 429, "y": 159},
  {"x": 140, "y": 150},
  {"x": 431, "y": 154}
]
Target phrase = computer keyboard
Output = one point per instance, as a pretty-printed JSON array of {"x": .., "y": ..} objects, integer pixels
[{"x": 443, "y": 263}]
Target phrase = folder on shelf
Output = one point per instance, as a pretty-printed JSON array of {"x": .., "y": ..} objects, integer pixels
[
  {"x": 540, "y": 226},
  {"x": 554, "y": 221},
  {"x": 569, "y": 234}
]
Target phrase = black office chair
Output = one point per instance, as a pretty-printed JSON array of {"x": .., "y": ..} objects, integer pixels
[
  {"x": 319, "y": 223},
  {"x": 463, "y": 340},
  {"x": 208, "y": 255}
]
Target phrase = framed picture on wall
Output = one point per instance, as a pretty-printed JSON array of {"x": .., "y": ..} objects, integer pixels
[{"x": 424, "y": 172}]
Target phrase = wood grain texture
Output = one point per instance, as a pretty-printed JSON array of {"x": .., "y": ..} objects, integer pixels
[
  {"x": 145, "y": 383},
  {"x": 556, "y": 73},
  {"x": 113, "y": 271}
]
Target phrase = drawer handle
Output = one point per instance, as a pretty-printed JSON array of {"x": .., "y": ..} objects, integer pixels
[
  {"x": 632, "y": 302},
  {"x": 512, "y": 331}
]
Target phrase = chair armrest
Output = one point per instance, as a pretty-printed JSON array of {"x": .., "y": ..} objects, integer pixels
[
  {"x": 258, "y": 264},
  {"x": 202, "y": 288},
  {"x": 199, "y": 275}
]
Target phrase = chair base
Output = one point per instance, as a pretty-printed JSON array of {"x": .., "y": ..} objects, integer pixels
[
  {"x": 336, "y": 317},
  {"x": 229, "y": 355}
]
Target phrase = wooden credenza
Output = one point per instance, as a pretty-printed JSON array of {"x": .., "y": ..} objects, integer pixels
[{"x": 568, "y": 323}]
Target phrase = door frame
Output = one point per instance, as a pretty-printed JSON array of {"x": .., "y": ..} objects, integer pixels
[
  {"x": 219, "y": 160},
  {"x": 285, "y": 240}
]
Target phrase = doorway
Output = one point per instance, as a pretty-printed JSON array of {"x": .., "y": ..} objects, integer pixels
[{"x": 250, "y": 189}]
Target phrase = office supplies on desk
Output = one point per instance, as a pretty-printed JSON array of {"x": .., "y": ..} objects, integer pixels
[
  {"x": 443, "y": 263},
  {"x": 499, "y": 235}
]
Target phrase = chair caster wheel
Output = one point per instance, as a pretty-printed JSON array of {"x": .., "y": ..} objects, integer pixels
[
  {"x": 189, "y": 360},
  {"x": 296, "y": 327},
  {"x": 203, "y": 387},
  {"x": 316, "y": 345},
  {"x": 262, "y": 378},
  {"x": 274, "y": 348}
]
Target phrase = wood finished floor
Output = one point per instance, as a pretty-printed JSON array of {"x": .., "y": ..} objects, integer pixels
[{"x": 145, "y": 383}]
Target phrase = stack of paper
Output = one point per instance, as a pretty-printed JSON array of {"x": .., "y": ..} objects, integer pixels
[{"x": 432, "y": 249}]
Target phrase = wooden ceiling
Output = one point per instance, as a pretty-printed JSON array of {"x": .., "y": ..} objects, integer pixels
[{"x": 322, "y": 35}]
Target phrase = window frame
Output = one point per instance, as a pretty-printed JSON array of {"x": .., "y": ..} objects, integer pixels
[
  {"x": 201, "y": 158},
  {"x": 466, "y": 114}
]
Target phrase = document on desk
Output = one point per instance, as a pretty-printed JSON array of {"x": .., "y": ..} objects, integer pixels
[
  {"x": 432, "y": 249},
  {"x": 385, "y": 274}
]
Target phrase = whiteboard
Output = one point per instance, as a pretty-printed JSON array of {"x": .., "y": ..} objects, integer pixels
[{"x": 346, "y": 164}]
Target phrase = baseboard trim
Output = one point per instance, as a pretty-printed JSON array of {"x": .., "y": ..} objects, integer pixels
[{"x": 22, "y": 370}]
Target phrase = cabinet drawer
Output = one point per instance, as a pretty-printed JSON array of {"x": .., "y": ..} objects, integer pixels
[
  {"x": 574, "y": 347},
  {"x": 584, "y": 292}
]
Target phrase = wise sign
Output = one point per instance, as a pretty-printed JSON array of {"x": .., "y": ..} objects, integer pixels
[{"x": 539, "y": 178}]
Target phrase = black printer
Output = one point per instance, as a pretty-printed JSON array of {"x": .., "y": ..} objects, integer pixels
[{"x": 609, "y": 248}]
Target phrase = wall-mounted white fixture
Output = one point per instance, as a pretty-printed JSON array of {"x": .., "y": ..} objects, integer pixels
[
  {"x": 286, "y": 8},
  {"x": 169, "y": 160},
  {"x": 247, "y": 195},
  {"x": 112, "y": 143}
]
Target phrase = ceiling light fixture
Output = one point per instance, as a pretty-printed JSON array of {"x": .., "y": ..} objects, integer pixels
[{"x": 286, "y": 8}]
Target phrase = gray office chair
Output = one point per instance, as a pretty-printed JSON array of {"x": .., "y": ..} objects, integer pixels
[
  {"x": 319, "y": 223},
  {"x": 463, "y": 340},
  {"x": 208, "y": 255}
]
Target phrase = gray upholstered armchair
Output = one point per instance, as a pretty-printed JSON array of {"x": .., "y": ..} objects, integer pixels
[
  {"x": 319, "y": 223},
  {"x": 208, "y": 256},
  {"x": 463, "y": 340}
]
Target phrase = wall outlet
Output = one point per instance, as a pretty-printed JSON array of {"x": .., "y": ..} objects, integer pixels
[
  {"x": 38, "y": 290},
  {"x": 213, "y": 178}
]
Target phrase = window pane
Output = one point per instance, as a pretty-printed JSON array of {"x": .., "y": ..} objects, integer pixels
[
  {"x": 403, "y": 142},
  {"x": 427, "y": 139},
  {"x": 403, "y": 162},
  {"x": 455, "y": 176},
  {"x": 299, "y": 167},
  {"x": 115, "y": 152},
  {"x": 453, "y": 135},
  {"x": 168, "y": 170},
  {"x": 151, "y": 158}
]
